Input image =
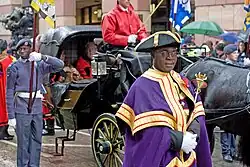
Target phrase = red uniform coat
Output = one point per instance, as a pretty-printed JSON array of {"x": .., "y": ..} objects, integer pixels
[
  {"x": 46, "y": 108},
  {"x": 4, "y": 63},
  {"x": 84, "y": 68},
  {"x": 118, "y": 24}
]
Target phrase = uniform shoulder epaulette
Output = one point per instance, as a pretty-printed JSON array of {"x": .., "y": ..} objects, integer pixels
[{"x": 11, "y": 68}]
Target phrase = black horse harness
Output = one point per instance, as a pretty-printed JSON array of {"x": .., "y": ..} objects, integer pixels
[{"x": 227, "y": 113}]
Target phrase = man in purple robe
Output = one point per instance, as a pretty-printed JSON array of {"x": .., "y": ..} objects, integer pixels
[{"x": 164, "y": 123}]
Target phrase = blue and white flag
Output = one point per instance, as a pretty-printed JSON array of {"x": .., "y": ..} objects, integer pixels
[
  {"x": 247, "y": 18},
  {"x": 180, "y": 13}
]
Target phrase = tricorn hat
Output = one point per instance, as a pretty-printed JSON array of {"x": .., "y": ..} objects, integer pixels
[{"x": 158, "y": 39}]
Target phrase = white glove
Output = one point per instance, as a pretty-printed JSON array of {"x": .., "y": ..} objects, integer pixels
[
  {"x": 12, "y": 123},
  {"x": 132, "y": 38},
  {"x": 34, "y": 56},
  {"x": 246, "y": 62},
  {"x": 189, "y": 142}
]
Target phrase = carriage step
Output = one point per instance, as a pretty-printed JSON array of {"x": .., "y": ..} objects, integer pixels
[{"x": 63, "y": 140}]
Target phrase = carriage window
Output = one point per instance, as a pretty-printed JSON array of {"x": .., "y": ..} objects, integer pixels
[{"x": 160, "y": 17}]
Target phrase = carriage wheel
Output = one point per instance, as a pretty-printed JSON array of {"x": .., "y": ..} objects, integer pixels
[{"x": 107, "y": 142}]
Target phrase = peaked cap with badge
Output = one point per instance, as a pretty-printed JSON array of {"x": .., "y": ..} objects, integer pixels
[
  {"x": 157, "y": 40},
  {"x": 24, "y": 42}
]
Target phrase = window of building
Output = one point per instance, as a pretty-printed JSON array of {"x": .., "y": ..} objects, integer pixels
[
  {"x": 160, "y": 17},
  {"x": 85, "y": 12},
  {"x": 96, "y": 14},
  {"x": 92, "y": 14}
]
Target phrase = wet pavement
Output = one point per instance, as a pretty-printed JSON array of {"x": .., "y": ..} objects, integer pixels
[
  {"x": 217, "y": 157},
  {"x": 77, "y": 153}
]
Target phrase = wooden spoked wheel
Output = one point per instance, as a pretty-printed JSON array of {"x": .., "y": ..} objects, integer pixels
[{"x": 107, "y": 142}]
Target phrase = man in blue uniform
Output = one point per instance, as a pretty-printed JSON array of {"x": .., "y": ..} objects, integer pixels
[{"x": 29, "y": 125}]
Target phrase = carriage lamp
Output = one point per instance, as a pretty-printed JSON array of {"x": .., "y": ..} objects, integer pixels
[{"x": 98, "y": 65}]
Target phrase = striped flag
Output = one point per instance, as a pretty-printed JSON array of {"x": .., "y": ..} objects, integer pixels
[
  {"x": 180, "y": 13},
  {"x": 247, "y": 19},
  {"x": 46, "y": 9}
]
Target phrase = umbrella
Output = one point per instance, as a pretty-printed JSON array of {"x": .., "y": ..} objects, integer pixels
[
  {"x": 229, "y": 37},
  {"x": 203, "y": 27}
]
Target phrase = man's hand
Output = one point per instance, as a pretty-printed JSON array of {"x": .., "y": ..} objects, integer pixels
[
  {"x": 189, "y": 142},
  {"x": 12, "y": 123},
  {"x": 132, "y": 38},
  {"x": 34, "y": 56}
]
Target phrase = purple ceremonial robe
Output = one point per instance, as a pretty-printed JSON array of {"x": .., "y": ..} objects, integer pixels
[{"x": 156, "y": 103}]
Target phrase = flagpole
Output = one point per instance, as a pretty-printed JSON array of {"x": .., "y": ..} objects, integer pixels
[
  {"x": 36, "y": 8},
  {"x": 35, "y": 14},
  {"x": 173, "y": 28},
  {"x": 147, "y": 19},
  {"x": 175, "y": 13}
]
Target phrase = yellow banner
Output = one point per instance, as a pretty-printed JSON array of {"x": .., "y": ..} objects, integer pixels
[{"x": 46, "y": 9}]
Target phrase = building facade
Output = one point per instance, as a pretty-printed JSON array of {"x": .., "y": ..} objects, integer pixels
[{"x": 229, "y": 14}]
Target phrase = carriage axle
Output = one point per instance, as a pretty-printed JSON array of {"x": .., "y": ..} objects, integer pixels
[{"x": 105, "y": 147}]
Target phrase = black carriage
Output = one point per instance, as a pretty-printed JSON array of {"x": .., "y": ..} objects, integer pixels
[{"x": 92, "y": 103}]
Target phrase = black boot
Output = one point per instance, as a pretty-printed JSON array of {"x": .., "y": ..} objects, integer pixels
[
  {"x": 4, "y": 134},
  {"x": 50, "y": 128}
]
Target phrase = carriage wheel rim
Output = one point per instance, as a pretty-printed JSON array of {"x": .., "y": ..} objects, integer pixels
[{"x": 113, "y": 156}]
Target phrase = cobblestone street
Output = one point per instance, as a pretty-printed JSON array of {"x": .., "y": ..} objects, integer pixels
[{"x": 78, "y": 153}]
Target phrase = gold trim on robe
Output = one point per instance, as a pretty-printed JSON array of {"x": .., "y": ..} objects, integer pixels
[
  {"x": 126, "y": 114},
  {"x": 153, "y": 118},
  {"x": 198, "y": 111},
  {"x": 177, "y": 121},
  {"x": 166, "y": 81},
  {"x": 162, "y": 78},
  {"x": 182, "y": 84},
  {"x": 176, "y": 162},
  {"x": 146, "y": 119}
]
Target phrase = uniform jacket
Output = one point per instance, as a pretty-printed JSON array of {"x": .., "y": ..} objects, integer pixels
[
  {"x": 118, "y": 24},
  {"x": 18, "y": 80},
  {"x": 84, "y": 68}
]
